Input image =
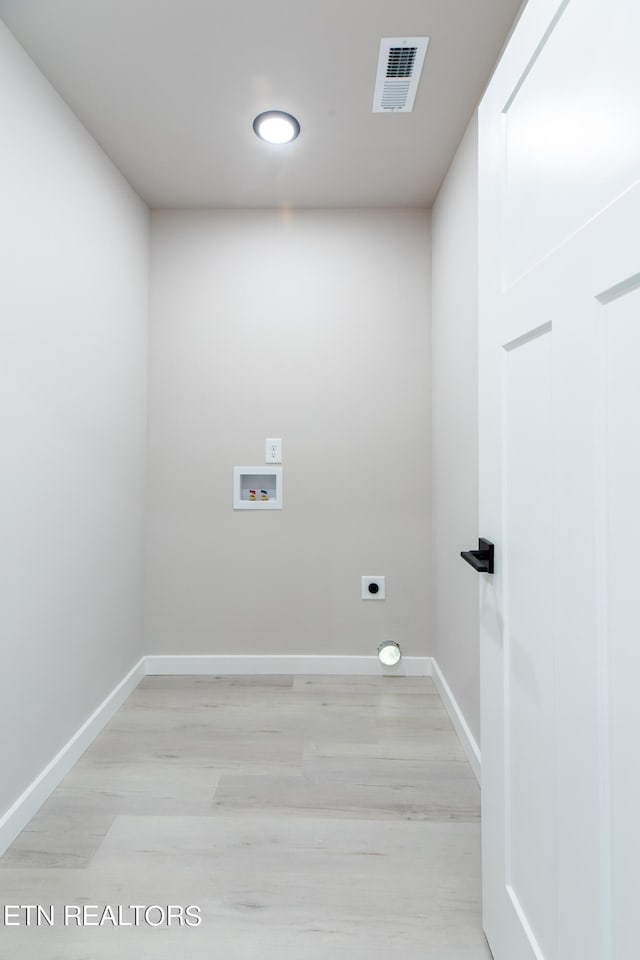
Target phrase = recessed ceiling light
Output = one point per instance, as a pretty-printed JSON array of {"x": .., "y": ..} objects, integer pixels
[{"x": 274, "y": 126}]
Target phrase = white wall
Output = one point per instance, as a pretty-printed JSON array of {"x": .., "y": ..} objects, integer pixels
[
  {"x": 314, "y": 327},
  {"x": 73, "y": 310},
  {"x": 455, "y": 428}
]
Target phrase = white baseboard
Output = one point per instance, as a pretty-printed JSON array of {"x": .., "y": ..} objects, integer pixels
[
  {"x": 213, "y": 665},
  {"x": 456, "y": 716},
  {"x": 29, "y": 802}
]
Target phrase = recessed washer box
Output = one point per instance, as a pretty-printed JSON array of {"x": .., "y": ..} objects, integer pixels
[{"x": 257, "y": 488}]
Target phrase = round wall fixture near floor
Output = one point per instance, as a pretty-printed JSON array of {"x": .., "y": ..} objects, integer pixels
[{"x": 389, "y": 653}]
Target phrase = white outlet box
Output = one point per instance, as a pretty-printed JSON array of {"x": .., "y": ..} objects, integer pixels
[
  {"x": 373, "y": 588},
  {"x": 273, "y": 450}
]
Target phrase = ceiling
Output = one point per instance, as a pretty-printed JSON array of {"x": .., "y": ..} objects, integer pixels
[{"x": 170, "y": 88}]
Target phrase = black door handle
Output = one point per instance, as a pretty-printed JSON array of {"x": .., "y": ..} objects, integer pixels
[{"x": 482, "y": 558}]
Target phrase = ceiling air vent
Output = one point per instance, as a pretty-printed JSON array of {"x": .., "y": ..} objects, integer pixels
[{"x": 399, "y": 69}]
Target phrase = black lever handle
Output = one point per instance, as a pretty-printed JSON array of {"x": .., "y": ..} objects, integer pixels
[{"x": 482, "y": 558}]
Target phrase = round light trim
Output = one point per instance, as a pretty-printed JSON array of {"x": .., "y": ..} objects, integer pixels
[
  {"x": 389, "y": 653},
  {"x": 275, "y": 126}
]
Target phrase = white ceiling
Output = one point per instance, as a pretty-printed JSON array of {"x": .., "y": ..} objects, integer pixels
[{"x": 170, "y": 89}]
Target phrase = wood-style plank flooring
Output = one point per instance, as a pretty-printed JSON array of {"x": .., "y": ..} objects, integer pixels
[{"x": 308, "y": 818}]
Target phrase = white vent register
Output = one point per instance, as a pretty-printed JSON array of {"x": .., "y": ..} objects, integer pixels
[{"x": 399, "y": 69}]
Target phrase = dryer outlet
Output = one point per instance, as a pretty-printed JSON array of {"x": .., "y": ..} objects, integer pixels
[{"x": 373, "y": 588}]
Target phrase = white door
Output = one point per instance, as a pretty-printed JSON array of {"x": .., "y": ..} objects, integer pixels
[{"x": 559, "y": 171}]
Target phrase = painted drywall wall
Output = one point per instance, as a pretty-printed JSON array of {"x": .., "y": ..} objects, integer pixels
[
  {"x": 74, "y": 242},
  {"x": 312, "y": 326},
  {"x": 455, "y": 428}
]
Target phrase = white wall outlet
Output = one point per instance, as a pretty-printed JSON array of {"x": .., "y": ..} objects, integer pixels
[
  {"x": 373, "y": 588},
  {"x": 272, "y": 450}
]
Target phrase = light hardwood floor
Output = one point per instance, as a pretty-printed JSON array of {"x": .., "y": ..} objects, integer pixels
[{"x": 308, "y": 818}]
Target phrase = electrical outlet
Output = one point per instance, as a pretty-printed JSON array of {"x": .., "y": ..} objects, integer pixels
[
  {"x": 373, "y": 588},
  {"x": 272, "y": 450}
]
